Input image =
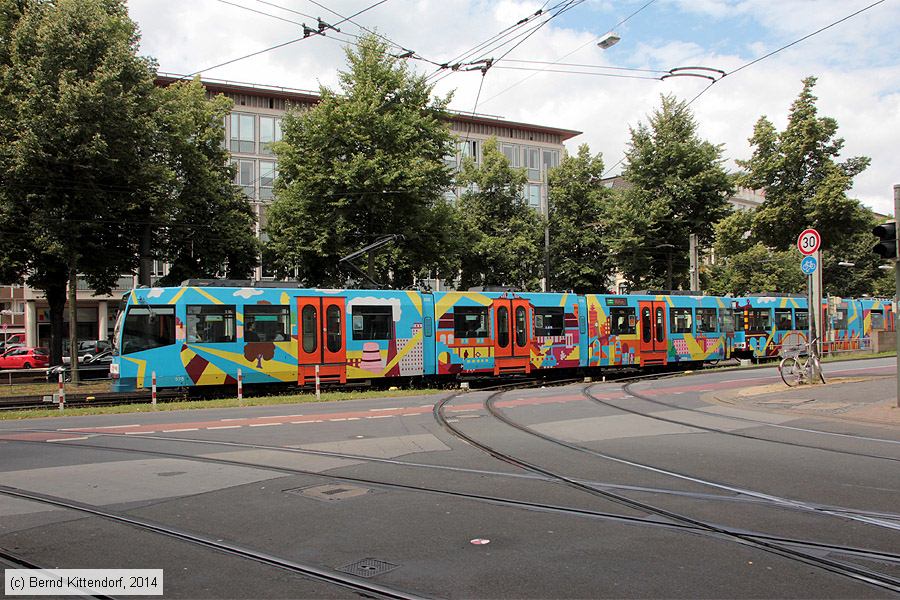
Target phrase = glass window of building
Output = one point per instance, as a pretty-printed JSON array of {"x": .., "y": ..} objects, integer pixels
[
  {"x": 269, "y": 133},
  {"x": 533, "y": 195},
  {"x": 210, "y": 323},
  {"x": 245, "y": 176},
  {"x": 268, "y": 171},
  {"x": 533, "y": 163},
  {"x": 550, "y": 159},
  {"x": 512, "y": 154},
  {"x": 243, "y": 134},
  {"x": 470, "y": 148}
]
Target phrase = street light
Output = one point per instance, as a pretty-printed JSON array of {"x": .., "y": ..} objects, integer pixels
[
  {"x": 608, "y": 41},
  {"x": 846, "y": 264}
]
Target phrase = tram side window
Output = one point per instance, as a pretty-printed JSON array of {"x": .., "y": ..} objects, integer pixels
[
  {"x": 267, "y": 323},
  {"x": 783, "y": 319},
  {"x": 706, "y": 320},
  {"x": 726, "y": 320},
  {"x": 877, "y": 319},
  {"x": 549, "y": 321},
  {"x": 680, "y": 320},
  {"x": 372, "y": 322},
  {"x": 840, "y": 319},
  {"x": 146, "y": 328},
  {"x": 210, "y": 323},
  {"x": 760, "y": 319},
  {"x": 470, "y": 322},
  {"x": 622, "y": 321},
  {"x": 802, "y": 318},
  {"x": 739, "y": 319}
]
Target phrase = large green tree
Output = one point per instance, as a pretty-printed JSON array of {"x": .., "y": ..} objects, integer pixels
[
  {"x": 806, "y": 185},
  {"x": 580, "y": 223},
  {"x": 79, "y": 128},
  {"x": 365, "y": 162},
  {"x": 677, "y": 186},
  {"x": 207, "y": 228},
  {"x": 503, "y": 236}
]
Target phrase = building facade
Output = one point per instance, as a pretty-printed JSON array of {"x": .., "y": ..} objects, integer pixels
[{"x": 250, "y": 130}]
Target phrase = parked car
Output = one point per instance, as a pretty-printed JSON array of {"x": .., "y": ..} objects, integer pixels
[
  {"x": 25, "y": 358},
  {"x": 87, "y": 349},
  {"x": 96, "y": 367}
]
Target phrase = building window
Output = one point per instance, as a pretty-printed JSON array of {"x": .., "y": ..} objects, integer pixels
[
  {"x": 267, "y": 323},
  {"x": 512, "y": 154},
  {"x": 268, "y": 171},
  {"x": 533, "y": 163},
  {"x": 269, "y": 133},
  {"x": 623, "y": 321},
  {"x": 470, "y": 322},
  {"x": 372, "y": 322},
  {"x": 470, "y": 148},
  {"x": 549, "y": 322},
  {"x": 210, "y": 323},
  {"x": 550, "y": 159},
  {"x": 243, "y": 137},
  {"x": 533, "y": 195},
  {"x": 680, "y": 320},
  {"x": 706, "y": 320},
  {"x": 245, "y": 176}
]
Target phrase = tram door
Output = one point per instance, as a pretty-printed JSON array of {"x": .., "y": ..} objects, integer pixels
[
  {"x": 512, "y": 335},
  {"x": 653, "y": 332},
  {"x": 322, "y": 341}
]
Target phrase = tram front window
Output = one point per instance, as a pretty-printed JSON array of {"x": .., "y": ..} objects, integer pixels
[{"x": 148, "y": 327}]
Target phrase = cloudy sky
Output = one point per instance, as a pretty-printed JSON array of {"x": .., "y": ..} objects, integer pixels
[{"x": 857, "y": 61}]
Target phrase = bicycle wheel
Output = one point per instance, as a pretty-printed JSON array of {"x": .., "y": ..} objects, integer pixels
[
  {"x": 790, "y": 370},
  {"x": 814, "y": 363}
]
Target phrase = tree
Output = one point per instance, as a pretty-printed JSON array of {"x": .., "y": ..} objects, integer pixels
[
  {"x": 363, "y": 163},
  {"x": 207, "y": 228},
  {"x": 580, "y": 223},
  {"x": 806, "y": 186},
  {"x": 503, "y": 235},
  {"x": 678, "y": 186},
  {"x": 81, "y": 139}
]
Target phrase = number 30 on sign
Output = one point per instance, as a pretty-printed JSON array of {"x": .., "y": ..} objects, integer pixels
[{"x": 809, "y": 241}]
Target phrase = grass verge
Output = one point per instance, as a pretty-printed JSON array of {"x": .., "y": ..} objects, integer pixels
[
  {"x": 38, "y": 413},
  {"x": 18, "y": 390}
]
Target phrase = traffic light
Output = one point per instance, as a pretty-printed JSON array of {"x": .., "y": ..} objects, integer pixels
[{"x": 887, "y": 233}]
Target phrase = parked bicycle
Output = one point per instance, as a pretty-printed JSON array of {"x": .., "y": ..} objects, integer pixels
[{"x": 801, "y": 367}]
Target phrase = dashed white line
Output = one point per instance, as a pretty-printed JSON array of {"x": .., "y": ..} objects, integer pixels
[
  {"x": 68, "y": 439},
  {"x": 380, "y": 417},
  {"x": 241, "y": 419},
  {"x": 137, "y": 432},
  {"x": 175, "y": 430},
  {"x": 353, "y": 418},
  {"x": 378, "y": 409},
  {"x": 263, "y": 424},
  {"x": 336, "y": 419},
  {"x": 226, "y": 427}
]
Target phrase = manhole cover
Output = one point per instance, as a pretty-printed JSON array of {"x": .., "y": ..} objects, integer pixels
[
  {"x": 368, "y": 567},
  {"x": 330, "y": 493}
]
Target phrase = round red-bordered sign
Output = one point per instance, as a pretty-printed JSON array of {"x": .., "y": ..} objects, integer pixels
[{"x": 809, "y": 241}]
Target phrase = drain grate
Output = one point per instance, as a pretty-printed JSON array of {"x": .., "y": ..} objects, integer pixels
[
  {"x": 330, "y": 493},
  {"x": 368, "y": 567}
]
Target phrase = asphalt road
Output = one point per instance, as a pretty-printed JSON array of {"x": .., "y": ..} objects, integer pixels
[{"x": 655, "y": 489}]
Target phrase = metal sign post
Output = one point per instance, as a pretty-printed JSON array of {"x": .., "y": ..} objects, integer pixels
[
  {"x": 897, "y": 284},
  {"x": 808, "y": 242}
]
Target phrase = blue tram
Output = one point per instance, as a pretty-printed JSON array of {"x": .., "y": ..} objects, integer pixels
[
  {"x": 768, "y": 325},
  {"x": 201, "y": 333}
]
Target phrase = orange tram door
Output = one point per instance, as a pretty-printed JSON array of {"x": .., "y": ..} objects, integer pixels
[
  {"x": 322, "y": 340},
  {"x": 512, "y": 335},
  {"x": 654, "y": 346}
]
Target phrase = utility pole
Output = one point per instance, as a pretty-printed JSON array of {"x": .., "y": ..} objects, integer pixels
[
  {"x": 545, "y": 200},
  {"x": 695, "y": 263}
]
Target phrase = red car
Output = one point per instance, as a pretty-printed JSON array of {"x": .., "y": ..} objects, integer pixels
[{"x": 25, "y": 358}]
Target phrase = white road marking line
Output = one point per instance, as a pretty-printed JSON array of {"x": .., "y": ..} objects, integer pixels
[
  {"x": 104, "y": 427},
  {"x": 263, "y": 424},
  {"x": 241, "y": 419},
  {"x": 185, "y": 429},
  {"x": 353, "y": 418},
  {"x": 226, "y": 427},
  {"x": 380, "y": 417},
  {"x": 336, "y": 419},
  {"x": 137, "y": 432},
  {"x": 377, "y": 409},
  {"x": 69, "y": 439}
]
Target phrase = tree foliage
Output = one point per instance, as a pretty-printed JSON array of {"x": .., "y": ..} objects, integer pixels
[
  {"x": 678, "y": 186},
  {"x": 502, "y": 234},
  {"x": 580, "y": 223},
  {"x": 208, "y": 223},
  {"x": 363, "y": 163}
]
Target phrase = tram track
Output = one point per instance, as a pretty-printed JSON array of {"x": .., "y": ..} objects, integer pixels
[{"x": 782, "y": 549}]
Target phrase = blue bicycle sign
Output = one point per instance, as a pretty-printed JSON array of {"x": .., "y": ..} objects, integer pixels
[{"x": 809, "y": 265}]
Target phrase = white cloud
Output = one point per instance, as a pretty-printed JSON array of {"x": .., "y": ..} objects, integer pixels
[
  {"x": 247, "y": 293},
  {"x": 155, "y": 292}
]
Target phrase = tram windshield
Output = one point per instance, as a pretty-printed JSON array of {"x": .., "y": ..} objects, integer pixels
[{"x": 148, "y": 327}]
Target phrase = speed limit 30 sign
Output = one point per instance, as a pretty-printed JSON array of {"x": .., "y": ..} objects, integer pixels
[{"x": 809, "y": 241}]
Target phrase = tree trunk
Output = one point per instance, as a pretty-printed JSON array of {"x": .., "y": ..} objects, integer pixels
[
  {"x": 73, "y": 321},
  {"x": 56, "y": 299}
]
